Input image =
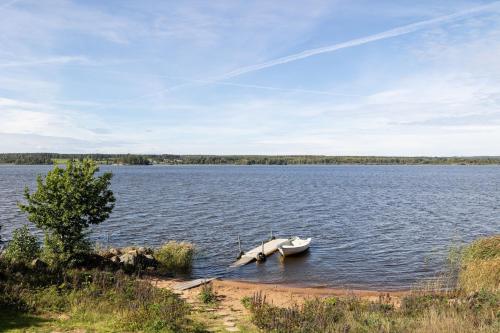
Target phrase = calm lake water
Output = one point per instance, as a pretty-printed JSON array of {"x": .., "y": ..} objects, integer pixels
[{"x": 372, "y": 226}]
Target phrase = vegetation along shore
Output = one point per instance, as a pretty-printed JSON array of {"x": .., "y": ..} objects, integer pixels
[
  {"x": 172, "y": 159},
  {"x": 67, "y": 284}
]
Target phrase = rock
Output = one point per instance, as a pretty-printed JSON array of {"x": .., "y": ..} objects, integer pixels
[
  {"x": 149, "y": 261},
  {"x": 142, "y": 250},
  {"x": 38, "y": 264},
  {"x": 129, "y": 259},
  {"x": 115, "y": 259},
  {"x": 114, "y": 251},
  {"x": 133, "y": 252}
]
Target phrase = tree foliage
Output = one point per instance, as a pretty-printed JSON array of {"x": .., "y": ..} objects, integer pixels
[
  {"x": 67, "y": 202},
  {"x": 23, "y": 247},
  {"x": 135, "y": 159}
]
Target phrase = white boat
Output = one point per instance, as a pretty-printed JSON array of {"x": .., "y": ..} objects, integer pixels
[{"x": 294, "y": 245}]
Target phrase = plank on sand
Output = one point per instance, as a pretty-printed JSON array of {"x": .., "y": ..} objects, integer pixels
[{"x": 190, "y": 284}]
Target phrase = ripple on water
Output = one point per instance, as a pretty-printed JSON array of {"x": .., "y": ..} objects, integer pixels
[{"x": 372, "y": 226}]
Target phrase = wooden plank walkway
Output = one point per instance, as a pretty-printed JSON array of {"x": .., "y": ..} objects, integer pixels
[
  {"x": 269, "y": 248},
  {"x": 190, "y": 284}
]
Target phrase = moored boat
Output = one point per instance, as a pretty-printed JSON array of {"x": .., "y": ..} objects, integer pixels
[{"x": 294, "y": 246}]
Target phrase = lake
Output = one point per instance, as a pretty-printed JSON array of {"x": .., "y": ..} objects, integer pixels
[{"x": 372, "y": 226}]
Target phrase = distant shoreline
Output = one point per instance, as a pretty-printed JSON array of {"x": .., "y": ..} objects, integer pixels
[{"x": 172, "y": 159}]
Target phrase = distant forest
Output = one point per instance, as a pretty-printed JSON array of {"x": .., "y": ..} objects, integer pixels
[{"x": 132, "y": 159}]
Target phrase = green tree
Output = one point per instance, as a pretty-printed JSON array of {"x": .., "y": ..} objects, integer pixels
[{"x": 66, "y": 203}]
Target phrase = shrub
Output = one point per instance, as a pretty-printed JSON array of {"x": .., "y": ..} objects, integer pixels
[
  {"x": 247, "y": 302},
  {"x": 174, "y": 257},
  {"x": 23, "y": 247},
  {"x": 207, "y": 294}
]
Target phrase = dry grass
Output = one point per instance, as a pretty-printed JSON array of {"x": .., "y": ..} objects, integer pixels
[
  {"x": 429, "y": 313},
  {"x": 480, "y": 266}
]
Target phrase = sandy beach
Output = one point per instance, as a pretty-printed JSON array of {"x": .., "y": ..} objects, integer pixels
[{"x": 232, "y": 291}]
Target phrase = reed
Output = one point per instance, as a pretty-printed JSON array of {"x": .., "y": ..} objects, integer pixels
[
  {"x": 431, "y": 313},
  {"x": 480, "y": 265},
  {"x": 175, "y": 257}
]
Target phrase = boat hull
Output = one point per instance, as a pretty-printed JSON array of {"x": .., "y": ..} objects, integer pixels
[{"x": 290, "y": 249}]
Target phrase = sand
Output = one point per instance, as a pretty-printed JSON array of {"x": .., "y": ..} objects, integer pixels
[{"x": 232, "y": 291}]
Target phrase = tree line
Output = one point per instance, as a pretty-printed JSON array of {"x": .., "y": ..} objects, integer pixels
[{"x": 144, "y": 159}]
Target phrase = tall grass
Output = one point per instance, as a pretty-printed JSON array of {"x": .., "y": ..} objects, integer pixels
[
  {"x": 432, "y": 313},
  {"x": 480, "y": 265},
  {"x": 174, "y": 257}
]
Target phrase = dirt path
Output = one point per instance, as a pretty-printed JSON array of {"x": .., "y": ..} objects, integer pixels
[{"x": 229, "y": 314}]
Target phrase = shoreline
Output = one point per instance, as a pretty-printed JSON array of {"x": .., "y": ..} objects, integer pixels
[{"x": 233, "y": 290}]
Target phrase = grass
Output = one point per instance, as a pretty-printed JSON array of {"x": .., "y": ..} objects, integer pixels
[
  {"x": 469, "y": 304},
  {"x": 14, "y": 321},
  {"x": 97, "y": 301},
  {"x": 174, "y": 257},
  {"x": 480, "y": 265},
  {"x": 416, "y": 314}
]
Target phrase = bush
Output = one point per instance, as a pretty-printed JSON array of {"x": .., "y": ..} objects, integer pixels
[
  {"x": 480, "y": 265},
  {"x": 207, "y": 294},
  {"x": 23, "y": 247},
  {"x": 174, "y": 257},
  {"x": 247, "y": 302}
]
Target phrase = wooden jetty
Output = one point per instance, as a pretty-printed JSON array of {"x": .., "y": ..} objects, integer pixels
[
  {"x": 190, "y": 284},
  {"x": 269, "y": 248}
]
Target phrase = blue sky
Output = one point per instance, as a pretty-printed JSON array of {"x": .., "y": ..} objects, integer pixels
[{"x": 250, "y": 77}]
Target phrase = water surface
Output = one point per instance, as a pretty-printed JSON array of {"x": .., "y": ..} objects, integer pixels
[{"x": 372, "y": 226}]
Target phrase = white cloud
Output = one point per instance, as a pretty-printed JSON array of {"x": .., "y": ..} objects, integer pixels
[{"x": 21, "y": 117}]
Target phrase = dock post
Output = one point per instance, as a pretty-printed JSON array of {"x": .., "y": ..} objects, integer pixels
[
  {"x": 241, "y": 253},
  {"x": 261, "y": 256}
]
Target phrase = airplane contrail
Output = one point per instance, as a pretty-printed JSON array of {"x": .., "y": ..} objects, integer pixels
[
  {"x": 403, "y": 30},
  {"x": 46, "y": 61}
]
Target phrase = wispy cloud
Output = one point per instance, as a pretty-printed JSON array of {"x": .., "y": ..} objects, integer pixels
[
  {"x": 46, "y": 61},
  {"x": 403, "y": 30}
]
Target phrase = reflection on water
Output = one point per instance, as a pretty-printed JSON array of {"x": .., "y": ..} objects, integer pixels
[{"x": 371, "y": 226}]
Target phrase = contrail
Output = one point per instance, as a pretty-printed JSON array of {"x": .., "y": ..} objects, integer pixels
[
  {"x": 254, "y": 86},
  {"x": 359, "y": 41},
  {"x": 47, "y": 61}
]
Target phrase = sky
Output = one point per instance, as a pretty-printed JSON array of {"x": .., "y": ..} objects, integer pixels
[{"x": 338, "y": 77}]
